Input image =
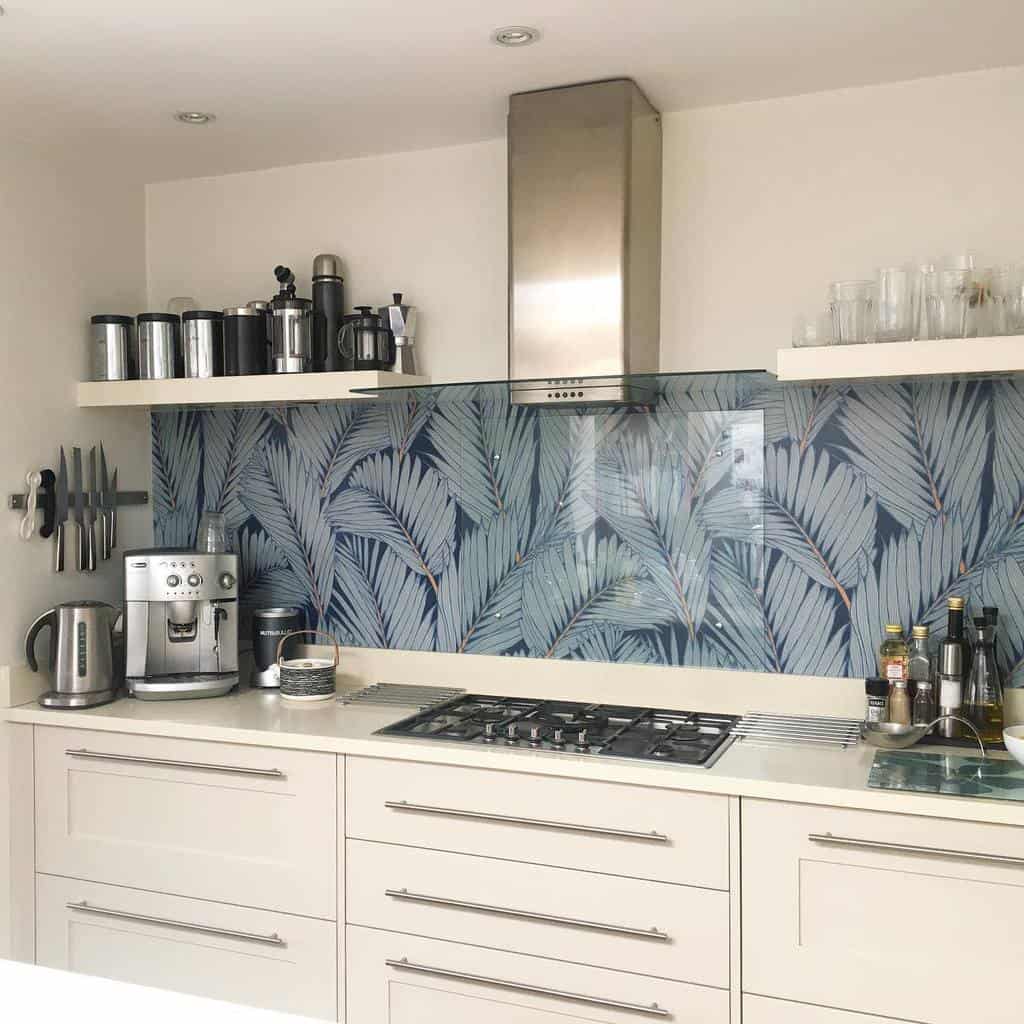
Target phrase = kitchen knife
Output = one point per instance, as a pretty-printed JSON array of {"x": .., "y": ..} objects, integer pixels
[
  {"x": 60, "y": 512},
  {"x": 105, "y": 505},
  {"x": 113, "y": 511},
  {"x": 79, "y": 492},
  {"x": 90, "y": 514}
]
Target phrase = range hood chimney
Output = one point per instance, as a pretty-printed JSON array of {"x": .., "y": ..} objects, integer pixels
[{"x": 584, "y": 242}]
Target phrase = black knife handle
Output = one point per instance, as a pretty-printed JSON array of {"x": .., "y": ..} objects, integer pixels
[{"x": 58, "y": 558}]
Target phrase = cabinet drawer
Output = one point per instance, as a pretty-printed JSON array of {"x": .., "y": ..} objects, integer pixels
[
  {"x": 256, "y": 957},
  {"x": 634, "y": 831},
  {"x": 758, "y": 1010},
  {"x": 673, "y": 931},
  {"x": 821, "y": 886},
  {"x": 401, "y": 979},
  {"x": 244, "y": 825}
]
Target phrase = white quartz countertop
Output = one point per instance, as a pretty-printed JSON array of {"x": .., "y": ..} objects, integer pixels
[{"x": 260, "y": 718}]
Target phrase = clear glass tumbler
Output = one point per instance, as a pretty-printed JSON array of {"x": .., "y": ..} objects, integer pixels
[
  {"x": 852, "y": 305},
  {"x": 1004, "y": 300},
  {"x": 212, "y": 537},
  {"x": 811, "y": 331},
  {"x": 960, "y": 306},
  {"x": 926, "y": 283},
  {"x": 895, "y": 304}
]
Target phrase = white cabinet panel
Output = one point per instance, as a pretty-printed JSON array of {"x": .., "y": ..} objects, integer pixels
[
  {"x": 758, "y": 1010},
  {"x": 245, "y": 825},
  {"x": 400, "y": 979},
  {"x": 821, "y": 887},
  {"x": 672, "y": 931},
  {"x": 663, "y": 835},
  {"x": 254, "y": 957}
]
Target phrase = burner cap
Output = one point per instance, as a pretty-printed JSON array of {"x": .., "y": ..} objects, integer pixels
[{"x": 489, "y": 714}]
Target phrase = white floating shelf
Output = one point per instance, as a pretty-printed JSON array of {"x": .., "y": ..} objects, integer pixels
[
  {"x": 262, "y": 389},
  {"x": 903, "y": 359}
]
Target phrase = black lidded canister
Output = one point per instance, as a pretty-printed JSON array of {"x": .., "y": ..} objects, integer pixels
[
  {"x": 269, "y": 625},
  {"x": 246, "y": 346},
  {"x": 328, "y": 311}
]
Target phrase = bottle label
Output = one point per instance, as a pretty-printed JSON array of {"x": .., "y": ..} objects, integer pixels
[
  {"x": 895, "y": 670},
  {"x": 950, "y": 693}
]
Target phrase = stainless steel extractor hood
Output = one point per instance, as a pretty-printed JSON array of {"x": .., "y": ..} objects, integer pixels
[{"x": 584, "y": 242}]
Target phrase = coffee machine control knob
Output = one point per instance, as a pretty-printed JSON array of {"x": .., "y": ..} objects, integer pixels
[
  {"x": 227, "y": 581},
  {"x": 194, "y": 580},
  {"x": 173, "y": 580}
]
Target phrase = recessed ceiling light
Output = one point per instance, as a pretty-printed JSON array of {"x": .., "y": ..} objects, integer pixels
[
  {"x": 515, "y": 35},
  {"x": 194, "y": 117}
]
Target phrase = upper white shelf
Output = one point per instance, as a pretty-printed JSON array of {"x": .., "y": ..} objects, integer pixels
[
  {"x": 902, "y": 359},
  {"x": 262, "y": 389}
]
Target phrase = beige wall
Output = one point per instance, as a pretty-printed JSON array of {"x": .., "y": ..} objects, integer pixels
[
  {"x": 764, "y": 204},
  {"x": 73, "y": 244}
]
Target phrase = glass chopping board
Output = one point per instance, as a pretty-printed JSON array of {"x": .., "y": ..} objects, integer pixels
[{"x": 947, "y": 775}]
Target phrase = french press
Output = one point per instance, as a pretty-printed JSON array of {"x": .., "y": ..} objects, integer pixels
[{"x": 365, "y": 342}]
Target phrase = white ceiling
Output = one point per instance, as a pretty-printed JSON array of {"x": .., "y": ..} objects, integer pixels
[{"x": 294, "y": 81}]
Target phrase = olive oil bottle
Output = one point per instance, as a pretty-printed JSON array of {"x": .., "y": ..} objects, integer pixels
[{"x": 983, "y": 701}]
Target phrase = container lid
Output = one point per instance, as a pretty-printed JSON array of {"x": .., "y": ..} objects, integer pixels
[
  {"x": 158, "y": 318},
  {"x": 876, "y": 687},
  {"x": 326, "y": 265},
  {"x": 285, "y": 302},
  {"x": 276, "y": 613},
  {"x": 111, "y": 318},
  {"x": 201, "y": 314},
  {"x": 920, "y": 632},
  {"x": 893, "y": 628},
  {"x": 259, "y": 304},
  {"x": 956, "y": 603},
  {"x": 242, "y": 311}
]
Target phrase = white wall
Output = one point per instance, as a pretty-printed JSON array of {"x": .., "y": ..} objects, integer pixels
[
  {"x": 764, "y": 203},
  {"x": 72, "y": 245}
]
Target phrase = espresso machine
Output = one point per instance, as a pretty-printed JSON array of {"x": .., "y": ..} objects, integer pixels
[{"x": 181, "y": 623}]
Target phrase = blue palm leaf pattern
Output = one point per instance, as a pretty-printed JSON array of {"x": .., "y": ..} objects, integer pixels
[
  {"x": 816, "y": 512},
  {"x": 336, "y": 437},
  {"x": 230, "y": 438},
  {"x": 266, "y": 577},
  {"x": 1003, "y": 586},
  {"x": 485, "y": 451},
  {"x": 404, "y": 504},
  {"x": 406, "y": 419},
  {"x": 644, "y": 498},
  {"x": 284, "y": 496},
  {"x": 800, "y": 414},
  {"x": 379, "y": 602},
  {"x": 922, "y": 449},
  {"x": 572, "y": 589},
  {"x": 177, "y": 458},
  {"x": 480, "y": 598}
]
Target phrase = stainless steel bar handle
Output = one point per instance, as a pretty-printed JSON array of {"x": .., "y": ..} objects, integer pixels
[
  {"x": 651, "y": 1010},
  {"x": 871, "y": 844},
  {"x": 230, "y": 769},
  {"x": 506, "y": 819},
  {"x": 527, "y": 915},
  {"x": 227, "y": 933}
]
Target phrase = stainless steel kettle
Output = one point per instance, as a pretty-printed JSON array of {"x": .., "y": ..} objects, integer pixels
[{"x": 81, "y": 653}]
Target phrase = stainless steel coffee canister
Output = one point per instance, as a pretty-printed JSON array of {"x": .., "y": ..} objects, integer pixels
[
  {"x": 111, "y": 337},
  {"x": 159, "y": 348},
  {"x": 291, "y": 344},
  {"x": 202, "y": 338}
]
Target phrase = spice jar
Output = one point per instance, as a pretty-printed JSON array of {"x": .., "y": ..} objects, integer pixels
[{"x": 877, "y": 692}]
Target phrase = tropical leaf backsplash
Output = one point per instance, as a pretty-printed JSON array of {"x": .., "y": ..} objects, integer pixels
[{"x": 733, "y": 523}]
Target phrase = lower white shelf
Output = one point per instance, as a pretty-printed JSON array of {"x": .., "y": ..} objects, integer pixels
[
  {"x": 262, "y": 389},
  {"x": 955, "y": 357}
]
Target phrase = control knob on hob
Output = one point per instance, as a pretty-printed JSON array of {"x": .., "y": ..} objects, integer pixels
[
  {"x": 535, "y": 736},
  {"x": 556, "y": 739},
  {"x": 581, "y": 741},
  {"x": 512, "y": 733},
  {"x": 488, "y": 732}
]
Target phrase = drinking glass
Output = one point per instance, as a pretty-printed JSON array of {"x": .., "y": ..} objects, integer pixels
[
  {"x": 1004, "y": 300},
  {"x": 895, "y": 304},
  {"x": 212, "y": 537},
  {"x": 959, "y": 307},
  {"x": 926, "y": 282},
  {"x": 852, "y": 305},
  {"x": 810, "y": 331}
]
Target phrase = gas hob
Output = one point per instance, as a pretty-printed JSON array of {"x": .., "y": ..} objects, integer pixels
[{"x": 604, "y": 730}]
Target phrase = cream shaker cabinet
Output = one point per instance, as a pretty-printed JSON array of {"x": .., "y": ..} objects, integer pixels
[
  {"x": 253, "y": 957},
  {"x": 758, "y": 1010},
  {"x": 903, "y": 917},
  {"x": 403, "y": 979},
  {"x": 251, "y": 826}
]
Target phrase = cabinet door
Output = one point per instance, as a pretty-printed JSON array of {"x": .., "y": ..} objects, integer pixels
[
  {"x": 254, "y": 957},
  {"x": 639, "y": 832},
  {"x": 246, "y": 825},
  {"x": 399, "y": 979},
  {"x": 894, "y": 915},
  {"x": 672, "y": 931}
]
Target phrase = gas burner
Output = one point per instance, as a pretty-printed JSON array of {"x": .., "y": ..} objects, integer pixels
[{"x": 647, "y": 734}]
